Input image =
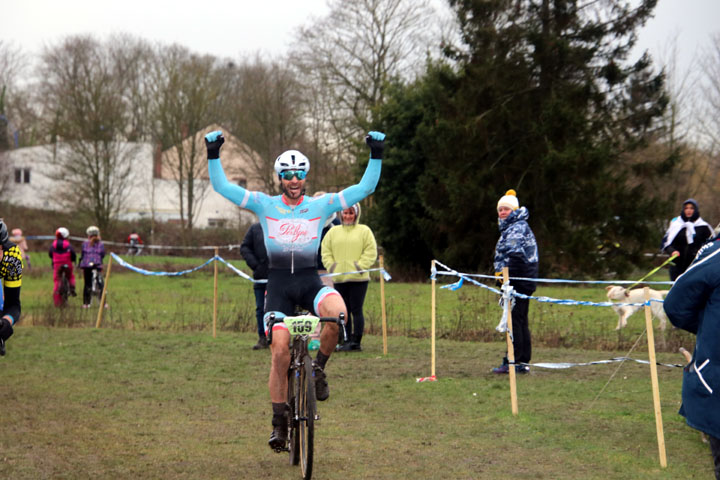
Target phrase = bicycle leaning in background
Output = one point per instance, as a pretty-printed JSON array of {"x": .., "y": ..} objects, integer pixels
[{"x": 301, "y": 387}]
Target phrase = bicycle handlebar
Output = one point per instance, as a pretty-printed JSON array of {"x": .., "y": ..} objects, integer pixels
[{"x": 339, "y": 320}]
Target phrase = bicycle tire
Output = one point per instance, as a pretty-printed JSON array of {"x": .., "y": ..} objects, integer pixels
[
  {"x": 97, "y": 286},
  {"x": 306, "y": 425},
  {"x": 293, "y": 437},
  {"x": 64, "y": 289}
]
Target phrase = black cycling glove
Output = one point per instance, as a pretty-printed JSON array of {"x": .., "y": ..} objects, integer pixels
[
  {"x": 376, "y": 142},
  {"x": 213, "y": 142}
]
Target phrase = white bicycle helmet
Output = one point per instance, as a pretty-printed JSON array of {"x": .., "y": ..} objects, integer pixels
[
  {"x": 92, "y": 230},
  {"x": 292, "y": 160},
  {"x": 62, "y": 232}
]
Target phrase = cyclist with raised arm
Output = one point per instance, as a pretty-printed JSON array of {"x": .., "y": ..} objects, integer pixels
[
  {"x": 292, "y": 224},
  {"x": 11, "y": 277}
]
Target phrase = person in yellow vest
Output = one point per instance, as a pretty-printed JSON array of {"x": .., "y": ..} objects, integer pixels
[
  {"x": 351, "y": 247},
  {"x": 11, "y": 278}
]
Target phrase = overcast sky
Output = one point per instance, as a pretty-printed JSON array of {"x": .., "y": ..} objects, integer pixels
[{"x": 228, "y": 28}]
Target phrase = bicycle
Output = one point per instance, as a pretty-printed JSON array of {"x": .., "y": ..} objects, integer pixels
[
  {"x": 96, "y": 284},
  {"x": 64, "y": 288},
  {"x": 301, "y": 387}
]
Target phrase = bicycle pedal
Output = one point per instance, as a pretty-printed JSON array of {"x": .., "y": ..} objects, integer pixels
[{"x": 282, "y": 449}]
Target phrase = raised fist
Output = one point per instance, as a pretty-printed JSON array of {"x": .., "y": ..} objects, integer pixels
[
  {"x": 376, "y": 142},
  {"x": 213, "y": 142}
]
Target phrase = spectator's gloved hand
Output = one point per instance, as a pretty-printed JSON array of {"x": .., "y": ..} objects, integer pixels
[
  {"x": 376, "y": 142},
  {"x": 213, "y": 142},
  {"x": 498, "y": 279}
]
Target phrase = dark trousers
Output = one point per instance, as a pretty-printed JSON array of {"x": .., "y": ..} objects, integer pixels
[
  {"x": 715, "y": 449},
  {"x": 87, "y": 288},
  {"x": 521, "y": 331},
  {"x": 353, "y": 293},
  {"x": 259, "y": 290}
]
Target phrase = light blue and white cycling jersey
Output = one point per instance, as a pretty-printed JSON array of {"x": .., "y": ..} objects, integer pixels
[{"x": 292, "y": 232}]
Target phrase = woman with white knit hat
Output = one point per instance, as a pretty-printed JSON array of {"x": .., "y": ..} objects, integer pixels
[{"x": 517, "y": 250}]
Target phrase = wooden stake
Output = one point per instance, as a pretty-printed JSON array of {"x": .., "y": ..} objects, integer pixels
[
  {"x": 104, "y": 294},
  {"x": 382, "y": 305},
  {"x": 654, "y": 379},
  {"x": 510, "y": 348},
  {"x": 215, "y": 294},
  {"x": 432, "y": 324}
]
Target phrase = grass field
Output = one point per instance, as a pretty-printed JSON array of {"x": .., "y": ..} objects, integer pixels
[
  {"x": 110, "y": 403},
  {"x": 153, "y": 395}
]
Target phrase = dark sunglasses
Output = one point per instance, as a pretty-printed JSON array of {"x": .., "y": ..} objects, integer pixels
[{"x": 289, "y": 174}]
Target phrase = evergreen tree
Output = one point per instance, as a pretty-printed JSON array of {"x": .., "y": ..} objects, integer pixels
[{"x": 542, "y": 99}]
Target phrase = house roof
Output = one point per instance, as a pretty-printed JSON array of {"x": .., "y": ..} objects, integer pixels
[{"x": 238, "y": 158}]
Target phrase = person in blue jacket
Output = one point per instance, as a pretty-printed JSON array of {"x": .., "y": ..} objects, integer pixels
[
  {"x": 517, "y": 250},
  {"x": 693, "y": 304}
]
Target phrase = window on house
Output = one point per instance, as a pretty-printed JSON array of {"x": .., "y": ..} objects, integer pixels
[
  {"x": 216, "y": 222},
  {"x": 22, "y": 175}
]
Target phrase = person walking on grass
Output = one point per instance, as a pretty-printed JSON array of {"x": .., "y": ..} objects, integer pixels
[
  {"x": 517, "y": 250},
  {"x": 351, "y": 247},
  {"x": 255, "y": 255},
  {"x": 292, "y": 224}
]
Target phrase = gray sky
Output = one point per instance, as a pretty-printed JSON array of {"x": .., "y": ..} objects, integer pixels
[
  {"x": 221, "y": 27},
  {"x": 229, "y": 28}
]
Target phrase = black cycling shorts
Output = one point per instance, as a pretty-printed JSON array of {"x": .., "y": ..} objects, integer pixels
[{"x": 303, "y": 288}]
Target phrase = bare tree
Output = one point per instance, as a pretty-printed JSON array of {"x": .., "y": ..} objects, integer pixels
[
  {"x": 264, "y": 108},
  {"x": 11, "y": 66},
  {"x": 359, "y": 47},
  {"x": 83, "y": 87},
  {"x": 710, "y": 114},
  {"x": 346, "y": 61},
  {"x": 185, "y": 92}
]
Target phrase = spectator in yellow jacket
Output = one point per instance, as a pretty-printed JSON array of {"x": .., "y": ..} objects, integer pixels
[{"x": 350, "y": 247}]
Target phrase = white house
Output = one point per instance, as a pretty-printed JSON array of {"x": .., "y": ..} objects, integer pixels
[{"x": 153, "y": 191}]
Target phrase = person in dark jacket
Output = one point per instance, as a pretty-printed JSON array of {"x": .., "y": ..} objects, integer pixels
[
  {"x": 255, "y": 255},
  {"x": 517, "y": 250},
  {"x": 693, "y": 304},
  {"x": 684, "y": 237}
]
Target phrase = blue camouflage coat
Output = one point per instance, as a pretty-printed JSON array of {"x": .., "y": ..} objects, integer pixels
[
  {"x": 693, "y": 304},
  {"x": 517, "y": 250}
]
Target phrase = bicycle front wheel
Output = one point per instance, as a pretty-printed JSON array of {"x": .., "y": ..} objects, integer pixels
[
  {"x": 293, "y": 437},
  {"x": 307, "y": 410}
]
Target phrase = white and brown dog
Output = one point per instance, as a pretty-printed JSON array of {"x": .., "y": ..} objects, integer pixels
[{"x": 636, "y": 295}]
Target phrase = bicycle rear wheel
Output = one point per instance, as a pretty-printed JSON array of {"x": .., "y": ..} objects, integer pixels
[
  {"x": 97, "y": 285},
  {"x": 64, "y": 289},
  {"x": 293, "y": 437},
  {"x": 306, "y": 425}
]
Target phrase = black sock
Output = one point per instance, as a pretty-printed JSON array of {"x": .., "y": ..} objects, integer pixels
[
  {"x": 321, "y": 359},
  {"x": 278, "y": 409}
]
